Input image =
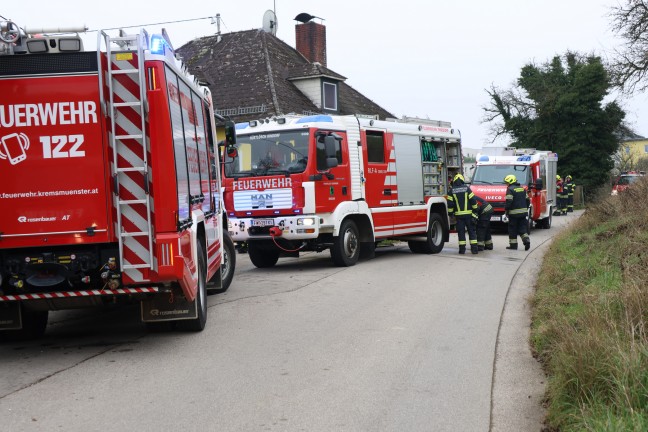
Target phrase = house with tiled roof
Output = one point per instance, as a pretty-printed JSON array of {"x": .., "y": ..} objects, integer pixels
[{"x": 253, "y": 74}]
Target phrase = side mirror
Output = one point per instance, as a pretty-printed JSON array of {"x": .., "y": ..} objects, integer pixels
[
  {"x": 538, "y": 183},
  {"x": 230, "y": 133},
  {"x": 330, "y": 147},
  {"x": 331, "y": 162},
  {"x": 232, "y": 152}
]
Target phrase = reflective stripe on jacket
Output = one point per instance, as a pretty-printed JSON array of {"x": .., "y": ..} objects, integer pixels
[
  {"x": 461, "y": 200},
  {"x": 484, "y": 207},
  {"x": 517, "y": 201}
]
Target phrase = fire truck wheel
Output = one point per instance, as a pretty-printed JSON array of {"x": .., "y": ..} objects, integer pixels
[
  {"x": 198, "y": 324},
  {"x": 345, "y": 251},
  {"x": 34, "y": 325},
  {"x": 367, "y": 250},
  {"x": 529, "y": 220},
  {"x": 434, "y": 238},
  {"x": 546, "y": 222},
  {"x": 262, "y": 257},
  {"x": 228, "y": 265}
]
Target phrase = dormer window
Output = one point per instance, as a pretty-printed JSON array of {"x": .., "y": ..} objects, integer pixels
[{"x": 329, "y": 96}]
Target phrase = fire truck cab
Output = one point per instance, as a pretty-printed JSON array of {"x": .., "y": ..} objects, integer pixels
[
  {"x": 343, "y": 183},
  {"x": 534, "y": 169},
  {"x": 106, "y": 186}
]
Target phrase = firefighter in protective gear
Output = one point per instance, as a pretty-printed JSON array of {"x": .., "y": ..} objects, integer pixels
[
  {"x": 517, "y": 209},
  {"x": 559, "y": 196},
  {"x": 484, "y": 212},
  {"x": 462, "y": 204},
  {"x": 569, "y": 186}
]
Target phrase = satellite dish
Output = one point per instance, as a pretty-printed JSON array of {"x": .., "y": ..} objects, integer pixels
[{"x": 270, "y": 22}]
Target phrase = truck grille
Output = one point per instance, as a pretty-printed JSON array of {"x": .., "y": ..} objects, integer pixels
[{"x": 39, "y": 64}]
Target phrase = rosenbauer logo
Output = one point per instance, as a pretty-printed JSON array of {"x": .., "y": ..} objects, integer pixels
[
  {"x": 25, "y": 219},
  {"x": 157, "y": 312}
]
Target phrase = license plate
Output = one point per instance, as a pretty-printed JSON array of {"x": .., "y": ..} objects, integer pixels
[
  {"x": 262, "y": 222},
  {"x": 496, "y": 218}
]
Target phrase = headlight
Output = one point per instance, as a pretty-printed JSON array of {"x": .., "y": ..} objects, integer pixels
[{"x": 306, "y": 221}]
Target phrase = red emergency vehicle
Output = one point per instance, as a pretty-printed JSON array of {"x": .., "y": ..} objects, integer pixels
[
  {"x": 343, "y": 183},
  {"x": 535, "y": 170},
  {"x": 106, "y": 182},
  {"x": 624, "y": 181}
]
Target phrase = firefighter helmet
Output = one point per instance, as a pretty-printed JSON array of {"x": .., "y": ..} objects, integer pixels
[
  {"x": 568, "y": 178},
  {"x": 557, "y": 177},
  {"x": 510, "y": 179},
  {"x": 458, "y": 177}
]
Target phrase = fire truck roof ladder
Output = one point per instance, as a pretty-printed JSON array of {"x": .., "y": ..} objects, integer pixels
[{"x": 126, "y": 108}]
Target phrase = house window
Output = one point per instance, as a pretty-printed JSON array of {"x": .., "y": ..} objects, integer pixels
[
  {"x": 646, "y": 149},
  {"x": 330, "y": 96},
  {"x": 627, "y": 150}
]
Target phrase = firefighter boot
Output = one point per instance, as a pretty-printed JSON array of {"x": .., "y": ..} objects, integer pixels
[
  {"x": 512, "y": 246},
  {"x": 462, "y": 250},
  {"x": 488, "y": 247},
  {"x": 474, "y": 249},
  {"x": 527, "y": 245}
]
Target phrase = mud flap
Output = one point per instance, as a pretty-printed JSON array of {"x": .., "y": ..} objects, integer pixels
[
  {"x": 166, "y": 307},
  {"x": 10, "y": 316}
]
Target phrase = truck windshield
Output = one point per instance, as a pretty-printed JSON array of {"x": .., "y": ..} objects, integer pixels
[
  {"x": 494, "y": 174},
  {"x": 269, "y": 153}
]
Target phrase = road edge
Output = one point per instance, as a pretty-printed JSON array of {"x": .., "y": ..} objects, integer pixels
[{"x": 518, "y": 387}]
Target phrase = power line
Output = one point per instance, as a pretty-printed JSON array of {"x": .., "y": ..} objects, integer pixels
[{"x": 151, "y": 24}]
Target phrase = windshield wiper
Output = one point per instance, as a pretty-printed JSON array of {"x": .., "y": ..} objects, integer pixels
[
  {"x": 278, "y": 171},
  {"x": 242, "y": 174},
  {"x": 482, "y": 182}
]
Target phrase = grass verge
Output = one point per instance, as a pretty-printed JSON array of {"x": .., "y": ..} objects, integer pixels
[{"x": 590, "y": 313}]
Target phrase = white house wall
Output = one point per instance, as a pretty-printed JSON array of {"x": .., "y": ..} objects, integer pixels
[{"x": 312, "y": 88}]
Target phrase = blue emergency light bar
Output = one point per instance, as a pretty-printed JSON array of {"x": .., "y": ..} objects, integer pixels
[
  {"x": 158, "y": 44},
  {"x": 316, "y": 118}
]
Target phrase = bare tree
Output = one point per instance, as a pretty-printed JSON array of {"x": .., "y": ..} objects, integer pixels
[
  {"x": 629, "y": 68},
  {"x": 623, "y": 159},
  {"x": 503, "y": 106},
  {"x": 642, "y": 164}
]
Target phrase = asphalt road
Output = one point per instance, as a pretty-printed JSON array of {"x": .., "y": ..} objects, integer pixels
[{"x": 401, "y": 342}]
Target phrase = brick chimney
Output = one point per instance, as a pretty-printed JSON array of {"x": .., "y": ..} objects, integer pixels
[{"x": 311, "y": 41}]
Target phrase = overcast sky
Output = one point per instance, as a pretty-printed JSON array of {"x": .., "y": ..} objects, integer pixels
[{"x": 419, "y": 58}]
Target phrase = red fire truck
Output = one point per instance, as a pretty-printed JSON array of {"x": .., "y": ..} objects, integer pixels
[
  {"x": 106, "y": 182},
  {"x": 343, "y": 183},
  {"x": 535, "y": 170}
]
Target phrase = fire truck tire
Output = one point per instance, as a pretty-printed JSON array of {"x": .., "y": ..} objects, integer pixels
[
  {"x": 262, "y": 257},
  {"x": 345, "y": 251},
  {"x": 367, "y": 250},
  {"x": 198, "y": 324},
  {"x": 529, "y": 220},
  {"x": 434, "y": 238},
  {"x": 34, "y": 325},
  {"x": 228, "y": 264},
  {"x": 546, "y": 222}
]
